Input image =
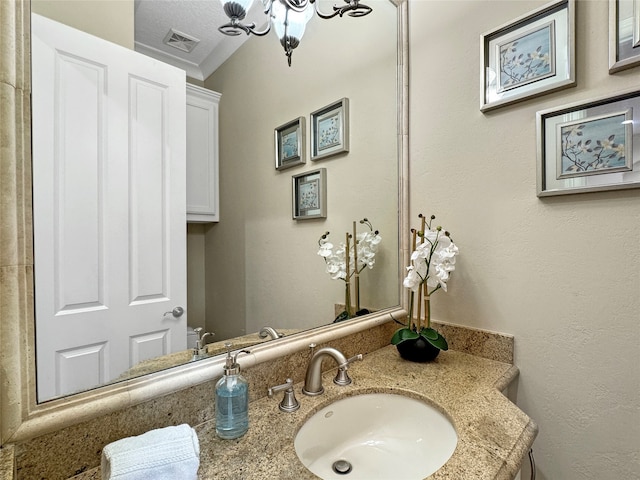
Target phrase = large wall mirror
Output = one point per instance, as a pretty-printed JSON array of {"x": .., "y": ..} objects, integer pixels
[{"x": 258, "y": 267}]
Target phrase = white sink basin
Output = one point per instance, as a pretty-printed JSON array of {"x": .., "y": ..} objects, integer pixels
[{"x": 379, "y": 436}]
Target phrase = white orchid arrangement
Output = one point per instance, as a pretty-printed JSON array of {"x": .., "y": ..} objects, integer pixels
[
  {"x": 366, "y": 247},
  {"x": 349, "y": 258},
  {"x": 433, "y": 258}
]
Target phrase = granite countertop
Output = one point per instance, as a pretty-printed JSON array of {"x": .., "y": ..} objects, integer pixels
[
  {"x": 6, "y": 462},
  {"x": 493, "y": 434}
]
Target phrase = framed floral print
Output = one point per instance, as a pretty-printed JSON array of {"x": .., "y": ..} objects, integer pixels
[
  {"x": 310, "y": 195},
  {"x": 624, "y": 34},
  {"x": 330, "y": 130},
  {"x": 589, "y": 146},
  {"x": 290, "y": 144},
  {"x": 528, "y": 57}
]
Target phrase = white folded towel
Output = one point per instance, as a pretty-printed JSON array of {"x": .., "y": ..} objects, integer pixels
[{"x": 171, "y": 453}]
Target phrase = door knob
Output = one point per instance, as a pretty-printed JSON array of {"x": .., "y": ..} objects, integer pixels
[{"x": 176, "y": 312}]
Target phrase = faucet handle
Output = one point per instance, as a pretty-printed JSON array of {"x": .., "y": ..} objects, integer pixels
[
  {"x": 342, "y": 377},
  {"x": 289, "y": 402},
  {"x": 354, "y": 358}
]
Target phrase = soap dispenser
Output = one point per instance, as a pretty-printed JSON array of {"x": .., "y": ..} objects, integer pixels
[{"x": 232, "y": 399}]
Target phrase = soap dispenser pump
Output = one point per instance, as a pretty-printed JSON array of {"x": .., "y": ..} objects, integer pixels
[{"x": 232, "y": 399}]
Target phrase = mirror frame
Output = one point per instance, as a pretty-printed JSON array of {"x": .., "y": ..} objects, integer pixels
[{"x": 21, "y": 417}]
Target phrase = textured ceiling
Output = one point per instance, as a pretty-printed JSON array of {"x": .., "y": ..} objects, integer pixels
[{"x": 194, "y": 18}]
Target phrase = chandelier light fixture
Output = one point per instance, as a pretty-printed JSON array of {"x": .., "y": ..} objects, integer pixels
[{"x": 288, "y": 18}]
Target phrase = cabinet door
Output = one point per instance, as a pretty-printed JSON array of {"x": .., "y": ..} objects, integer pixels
[{"x": 202, "y": 155}]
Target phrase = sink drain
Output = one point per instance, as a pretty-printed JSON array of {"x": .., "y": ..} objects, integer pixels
[{"x": 341, "y": 467}]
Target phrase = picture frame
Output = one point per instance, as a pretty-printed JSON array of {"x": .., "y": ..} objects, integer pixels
[
  {"x": 530, "y": 56},
  {"x": 589, "y": 146},
  {"x": 290, "y": 144},
  {"x": 624, "y": 34},
  {"x": 330, "y": 130},
  {"x": 309, "y": 194}
]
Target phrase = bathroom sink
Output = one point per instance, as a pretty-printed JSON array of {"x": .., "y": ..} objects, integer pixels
[{"x": 376, "y": 436}]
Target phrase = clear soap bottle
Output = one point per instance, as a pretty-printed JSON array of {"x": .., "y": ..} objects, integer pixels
[{"x": 232, "y": 399}]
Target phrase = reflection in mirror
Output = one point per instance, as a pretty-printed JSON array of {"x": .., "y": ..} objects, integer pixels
[
  {"x": 257, "y": 267},
  {"x": 262, "y": 267},
  {"x": 22, "y": 418}
]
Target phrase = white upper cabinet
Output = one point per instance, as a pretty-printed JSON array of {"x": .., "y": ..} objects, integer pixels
[{"x": 202, "y": 155}]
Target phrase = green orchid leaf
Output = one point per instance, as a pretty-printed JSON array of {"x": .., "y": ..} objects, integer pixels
[
  {"x": 439, "y": 341},
  {"x": 403, "y": 334},
  {"x": 343, "y": 316},
  {"x": 429, "y": 333}
]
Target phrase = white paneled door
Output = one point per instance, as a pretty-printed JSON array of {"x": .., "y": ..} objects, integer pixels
[{"x": 109, "y": 208}]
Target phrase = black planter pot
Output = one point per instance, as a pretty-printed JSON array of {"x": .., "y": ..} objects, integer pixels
[{"x": 417, "y": 350}]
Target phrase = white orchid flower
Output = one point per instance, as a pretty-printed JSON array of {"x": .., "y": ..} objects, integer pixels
[
  {"x": 432, "y": 261},
  {"x": 366, "y": 246},
  {"x": 325, "y": 249},
  {"x": 412, "y": 281}
]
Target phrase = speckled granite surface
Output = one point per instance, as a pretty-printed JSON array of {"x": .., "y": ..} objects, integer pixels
[
  {"x": 494, "y": 434},
  {"x": 76, "y": 449},
  {"x": 6, "y": 462},
  {"x": 491, "y": 345}
]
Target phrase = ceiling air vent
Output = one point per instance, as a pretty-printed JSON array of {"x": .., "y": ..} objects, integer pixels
[{"x": 180, "y": 40}]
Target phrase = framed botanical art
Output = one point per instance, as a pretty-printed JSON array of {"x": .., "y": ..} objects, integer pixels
[
  {"x": 330, "y": 130},
  {"x": 589, "y": 146},
  {"x": 528, "y": 57},
  {"x": 624, "y": 34},
  {"x": 310, "y": 195},
  {"x": 290, "y": 144}
]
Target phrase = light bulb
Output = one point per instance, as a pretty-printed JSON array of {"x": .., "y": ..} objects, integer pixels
[{"x": 295, "y": 22}]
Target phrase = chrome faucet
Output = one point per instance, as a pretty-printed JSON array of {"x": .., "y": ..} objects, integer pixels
[
  {"x": 200, "y": 350},
  {"x": 269, "y": 332},
  {"x": 313, "y": 379}
]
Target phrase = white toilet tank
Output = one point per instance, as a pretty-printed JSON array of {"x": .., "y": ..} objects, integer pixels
[{"x": 192, "y": 337}]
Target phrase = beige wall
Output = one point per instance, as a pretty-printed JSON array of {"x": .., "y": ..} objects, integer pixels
[
  {"x": 561, "y": 274},
  {"x": 196, "y": 275},
  {"x": 262, "y": 267},
  {"x": 112, "y": 20}
]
